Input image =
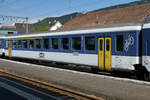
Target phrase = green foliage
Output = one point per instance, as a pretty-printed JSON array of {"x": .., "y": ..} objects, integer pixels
[{"x": 43, "y": 25}]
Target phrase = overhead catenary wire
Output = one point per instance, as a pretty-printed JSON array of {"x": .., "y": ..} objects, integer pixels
[{"x": 15, "y": 19}]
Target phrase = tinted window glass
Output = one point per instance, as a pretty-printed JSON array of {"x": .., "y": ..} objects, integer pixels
[
  {"x": 24, "y": 43},
  {"x": 76, "y": 43},
  {"x": 101, "y": 45},
  {"x": 31, "y": 44},
  {"x": 46, "y": 43},
  {"x": 89, "y": 43},
  {"x": 119, "y": 43},
  {"x": 14, "y": 43},
  {"x": 38, "y": 43},
  {"x": 55, "y": 43},
  {"x": 19, "y": 44},
  {"x": 107, "y": 44},
  {"x": 65, "y": 43}
]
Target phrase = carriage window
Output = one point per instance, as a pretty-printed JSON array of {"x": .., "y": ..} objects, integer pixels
[
  {"x": 119, "y": 43},
  {"x": 19, "y": 44},
  {"x": 101, "y": 45},
  {"x": 46, "y": 43},
  {"x": 54, "y": 43},
  {"x": 14, "y": 43},
  {"x": 107, "y": 44},
  {"x": 0, "y": 44},
  {"x": 65, "y": 43},
  {"x": 38, "y": 43},
  {"x": 31, "y": 44},
  {"x": 24, "y": 43},
  {"x": 76, "y": 43},
  {"x": 89, "y": 43}
]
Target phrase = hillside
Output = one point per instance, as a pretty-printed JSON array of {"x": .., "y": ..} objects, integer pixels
[
  {"x": 108, "y": 17},
  {"x": 138, "y": 2},
  {"x": 43, "y": 25}
]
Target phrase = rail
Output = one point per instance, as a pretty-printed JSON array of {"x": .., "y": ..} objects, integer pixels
[{"x": 53, "y": 88}]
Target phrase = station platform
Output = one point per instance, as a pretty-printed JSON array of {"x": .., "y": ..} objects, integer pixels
[{"x": 93, "y": 84}]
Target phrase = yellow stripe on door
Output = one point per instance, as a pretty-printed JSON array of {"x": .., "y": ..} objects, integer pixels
[
  {"x": 10, "y": 48},
  {"x": 104, "y": 53}
]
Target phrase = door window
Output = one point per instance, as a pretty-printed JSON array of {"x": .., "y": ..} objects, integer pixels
[
  {"x": 101, "y": 45},
  {"x": 107, "y": 44}
]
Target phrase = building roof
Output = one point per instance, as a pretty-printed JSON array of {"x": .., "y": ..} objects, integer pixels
[
  {"x": 8, "y": 28},
  {"x": 21, "y": 27},
  {"x": 129, "y": 14}
]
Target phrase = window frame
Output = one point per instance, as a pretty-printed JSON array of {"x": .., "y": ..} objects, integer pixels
[
  {"x": 81, "y": 43},
  {"x": 48, "y": 43},
  {"x": 101, "y": 45},
  {"x": 33, "y": 43},
  {"x": 18, "y": 44},
  {"x": 116, "y": 43},
  {"x": 85, "y": 43},
  {"x": 107, "y": 45},
  {"x": 24, "y": 45},
  {"x": 39, "y": 42},
  {"x": 62, "y": 45},
  {"x": 51, "y": 45}
]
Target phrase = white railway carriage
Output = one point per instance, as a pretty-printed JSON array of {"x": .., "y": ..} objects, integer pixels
[{"x": 107, "y": 49}]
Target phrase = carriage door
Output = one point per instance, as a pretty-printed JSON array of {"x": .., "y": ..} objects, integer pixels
[
  {"x": 104, "y": 53},
  {"x": 10, "y": 48}
]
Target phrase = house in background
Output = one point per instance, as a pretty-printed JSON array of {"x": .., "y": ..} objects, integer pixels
[
  {"x": 22, "y": 28},
  {"x": 129, "y": 14},
  {"x": 5, "y": 30},
  {"x": 54, "y": 25}
]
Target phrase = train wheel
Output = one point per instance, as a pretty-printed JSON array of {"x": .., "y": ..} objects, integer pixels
[
  {"x": 139, "y": 75},
  {"x": 3, "y": 55},
  {"x": 146, "y": 75},
  {"x": 143, "y": 75}
]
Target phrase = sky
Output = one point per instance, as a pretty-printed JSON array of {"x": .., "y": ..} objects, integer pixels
[{"x": 39, "y": 9}]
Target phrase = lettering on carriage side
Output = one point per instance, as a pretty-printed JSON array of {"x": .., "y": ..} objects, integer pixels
[
  {"x": 41, "y": 55},
  {"x": 128, "y": 42},
  {"x": 75, "y": 53}
]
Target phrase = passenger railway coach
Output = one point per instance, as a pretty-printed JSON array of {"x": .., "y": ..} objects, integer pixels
[{"x": 115, "y": 48}]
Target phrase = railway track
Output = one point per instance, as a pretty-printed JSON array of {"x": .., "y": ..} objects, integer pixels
[{"x": 54, "y": 90}]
